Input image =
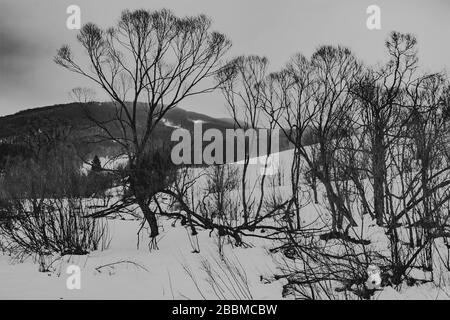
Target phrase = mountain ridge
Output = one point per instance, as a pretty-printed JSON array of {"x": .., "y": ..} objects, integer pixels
[{"x": 77, "y": 117}]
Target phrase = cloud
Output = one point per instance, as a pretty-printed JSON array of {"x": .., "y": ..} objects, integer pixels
[
  {"x": 16, "y": 47},
  {"x": 13, "y": 53}
]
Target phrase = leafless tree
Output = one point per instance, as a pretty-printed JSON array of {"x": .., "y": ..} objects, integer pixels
[
  {"x": 152, "y": 57},
  {"x": 314, "y": 95},
  {"x": 243, "y": 84},
  {"x": 380, "y": 152},
  {"x": 82, "y": 94}
]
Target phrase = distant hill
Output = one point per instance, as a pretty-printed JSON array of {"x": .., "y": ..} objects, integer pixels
[
  {"x": 78, "y": 118},
  {"x": 77, "y": 115}
]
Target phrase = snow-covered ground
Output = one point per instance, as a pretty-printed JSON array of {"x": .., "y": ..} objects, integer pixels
[
  {"x": 137, "y": 273},
  {"x": 175, "y": 271}
]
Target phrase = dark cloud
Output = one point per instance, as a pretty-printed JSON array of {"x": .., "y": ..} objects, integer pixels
[
  {"x": 15, "y": 46},
  {"x": 12, "y": 52}
]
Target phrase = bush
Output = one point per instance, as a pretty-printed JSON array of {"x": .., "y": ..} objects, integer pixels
[
  {"x": 52, "y": 226},
  {"x": 42, "y": 210}
]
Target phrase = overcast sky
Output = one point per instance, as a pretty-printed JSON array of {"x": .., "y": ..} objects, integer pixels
[{"x": 32, "y": 30}]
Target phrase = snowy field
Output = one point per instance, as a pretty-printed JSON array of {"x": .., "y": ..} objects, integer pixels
[
  {"x": 125, "y": 272},
  {"x": 177, "y": 270}
]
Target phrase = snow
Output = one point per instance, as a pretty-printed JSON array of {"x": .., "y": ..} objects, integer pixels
[
  {"x": 168, "y": 123},
  {"x": 141, "y": 274},
  {"x": 123, "y": 271}
]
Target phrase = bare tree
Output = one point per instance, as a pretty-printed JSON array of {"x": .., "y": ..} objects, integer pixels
[
  {"x": 152, "y": 57},
  {"x": 314, "y": 95},
  {"x": 379, "y": 92},
  {"x": 380, "y": 151},
  {"x": 248, "y": 91},
  {"x": 242, "y": 84},
  {"x": 82, "y": 94}
]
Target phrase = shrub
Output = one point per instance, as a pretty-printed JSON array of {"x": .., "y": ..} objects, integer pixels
[{"x": 42, "y": 210}]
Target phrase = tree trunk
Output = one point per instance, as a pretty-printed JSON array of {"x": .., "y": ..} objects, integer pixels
[
  {"x": 316, "y": 201},
  {"x": 150, "y": 216},
  {"x": 378, "y": 162}
]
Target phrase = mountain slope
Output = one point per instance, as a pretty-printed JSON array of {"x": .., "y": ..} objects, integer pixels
[{"x": 77, "y": 118}]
